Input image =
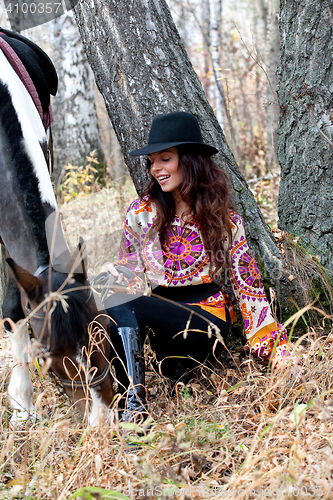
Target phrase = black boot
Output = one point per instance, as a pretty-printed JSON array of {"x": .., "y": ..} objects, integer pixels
[{"x": 135, "y": 377}]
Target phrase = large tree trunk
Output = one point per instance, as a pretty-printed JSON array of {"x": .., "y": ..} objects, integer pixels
[
  {"x": 142, "y": 68},
  {"x": 305, "y": 78},
  {"x": 75, "y": 129}
]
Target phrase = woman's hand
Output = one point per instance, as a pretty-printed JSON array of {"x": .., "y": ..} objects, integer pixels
[{"x": 109, "y": 267}]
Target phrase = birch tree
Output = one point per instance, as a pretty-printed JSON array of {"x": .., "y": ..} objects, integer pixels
[
  {"x": 75, "y": 129},
  {"x": 272, "y": 61},
  {"x": 215, "y": 30},
  {"x": 205, "y": 30}
]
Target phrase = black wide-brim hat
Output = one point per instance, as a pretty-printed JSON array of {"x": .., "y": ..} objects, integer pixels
[{"x": 174, "y": 129}]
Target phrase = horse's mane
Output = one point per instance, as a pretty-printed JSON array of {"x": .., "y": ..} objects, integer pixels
[
  {"x": 23, "y": 171},
  {"x": 75, "y": 321}
]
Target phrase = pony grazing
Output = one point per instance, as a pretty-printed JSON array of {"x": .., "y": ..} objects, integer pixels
[{"x": 46, "y": 285}]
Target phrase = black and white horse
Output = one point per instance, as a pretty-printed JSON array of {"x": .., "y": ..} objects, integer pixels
[{"x": 46, "y": 284}]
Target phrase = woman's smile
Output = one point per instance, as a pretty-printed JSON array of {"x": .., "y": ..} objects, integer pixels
[{"x": 163, "y": 178}]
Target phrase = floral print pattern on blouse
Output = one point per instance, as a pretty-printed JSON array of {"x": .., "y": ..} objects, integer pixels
[{"x": 184, "y": 261}]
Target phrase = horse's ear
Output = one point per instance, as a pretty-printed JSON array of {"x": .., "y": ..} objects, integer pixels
[
  {"x": 81, "y": 271},
  {"x": 30, "y": 283},
  {"x": 78, "y": 262}
]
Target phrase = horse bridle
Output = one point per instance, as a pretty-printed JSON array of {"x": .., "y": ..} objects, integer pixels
[
  {"x": 75, "y": 384},
  {"x": 82, "y": 384}
]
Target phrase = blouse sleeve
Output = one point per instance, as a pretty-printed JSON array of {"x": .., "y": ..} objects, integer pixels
[
  {"x": 265, "y": 337},
  {"x": 130, "y": 254}
]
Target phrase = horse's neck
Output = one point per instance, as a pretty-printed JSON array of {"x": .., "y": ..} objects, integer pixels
[
  {"x": 30, "y": 246},
  {"x": 27, "y": 200}
]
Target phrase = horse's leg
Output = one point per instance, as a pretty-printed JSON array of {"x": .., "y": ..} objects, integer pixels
[
  {"x": 20, "y": 389},
  {"x": 11, "y": 306},
  {"x": 101, "y": 396}
]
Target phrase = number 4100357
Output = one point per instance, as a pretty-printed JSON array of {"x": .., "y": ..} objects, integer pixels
[{"x": 32, "y": 8}]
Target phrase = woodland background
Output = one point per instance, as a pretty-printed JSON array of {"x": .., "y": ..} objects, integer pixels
[
  {"x": 236, "y": 427},
  {"x": 234, "y": 47},
  {"x": 235, "y": 51}
]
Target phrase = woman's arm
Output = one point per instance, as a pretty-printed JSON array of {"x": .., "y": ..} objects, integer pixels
[
  {"x": 265, "y": 337},
  {"x": 130, "y": 255}
]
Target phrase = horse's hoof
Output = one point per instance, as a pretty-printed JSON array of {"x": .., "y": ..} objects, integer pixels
[{"x": 20, "y": 418}]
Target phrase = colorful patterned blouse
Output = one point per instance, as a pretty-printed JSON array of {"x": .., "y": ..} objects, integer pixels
[{"x": 184, "y": 261}]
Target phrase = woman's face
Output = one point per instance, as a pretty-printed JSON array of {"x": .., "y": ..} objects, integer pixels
[{"x": 165, "y": 169}]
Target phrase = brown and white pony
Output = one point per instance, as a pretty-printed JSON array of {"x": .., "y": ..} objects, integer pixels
[{"x": 46, "y": 285}]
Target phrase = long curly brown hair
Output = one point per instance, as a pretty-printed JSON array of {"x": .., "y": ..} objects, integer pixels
[{"x": 206, "y": 189}]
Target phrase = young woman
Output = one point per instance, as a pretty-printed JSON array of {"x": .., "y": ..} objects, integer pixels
[{"x": 183, "y": 235}]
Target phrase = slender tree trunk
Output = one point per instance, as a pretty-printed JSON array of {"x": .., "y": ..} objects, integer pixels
[
  {"x": 142, "y": 68},
  {"x": 272, "y": 61},
  {"x": 205, "y": 29},
  {"x": 75, "y": 129},
  {"x": 262, "y": 9},
  {"x": 215, "y": 30},
  {"x": 178, "y": 7},
  {"x": 305, "y": 78},
  {"x": 4, "y": 21}
]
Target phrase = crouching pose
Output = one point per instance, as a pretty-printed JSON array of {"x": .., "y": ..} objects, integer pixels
[{"x": 181, "y": 236}]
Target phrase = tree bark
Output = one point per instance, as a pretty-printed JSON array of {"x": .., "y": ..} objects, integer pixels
[
  {"x": 142, "y": 68},
  {"x": 75, "y": 129},
  {"x": 305, "y": 78}
]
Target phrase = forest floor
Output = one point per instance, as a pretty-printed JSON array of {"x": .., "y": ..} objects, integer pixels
[{"x": 237, "y": 430}]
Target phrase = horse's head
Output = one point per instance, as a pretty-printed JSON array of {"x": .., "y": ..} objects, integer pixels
[{"x": 71, "y": 329}]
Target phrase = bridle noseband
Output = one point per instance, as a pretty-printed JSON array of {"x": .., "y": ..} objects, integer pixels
[{"x": 82, "y": 384}]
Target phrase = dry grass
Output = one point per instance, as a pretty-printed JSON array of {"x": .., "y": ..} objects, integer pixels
[
  {"x": 235, "y": 431},
  {"x": 266, "y": 193}
]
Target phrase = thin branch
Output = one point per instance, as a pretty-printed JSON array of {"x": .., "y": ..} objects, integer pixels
[{"x": 258, "y": 63}]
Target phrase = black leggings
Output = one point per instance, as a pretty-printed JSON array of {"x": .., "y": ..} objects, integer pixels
[{"x": 164, "y": 321}]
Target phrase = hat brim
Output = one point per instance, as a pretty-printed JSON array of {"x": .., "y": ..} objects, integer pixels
[{"x": 161, "y": 146}]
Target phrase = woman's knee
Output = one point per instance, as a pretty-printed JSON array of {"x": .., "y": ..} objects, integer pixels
[{"x": 123, "y": 315}]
